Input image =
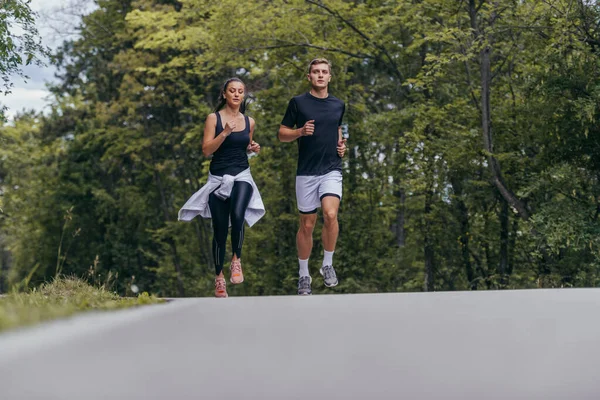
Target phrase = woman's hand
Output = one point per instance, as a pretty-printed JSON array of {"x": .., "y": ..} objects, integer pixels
[
  {"x": 229, "y": 127},
  {"x": 254, "y": 147}
]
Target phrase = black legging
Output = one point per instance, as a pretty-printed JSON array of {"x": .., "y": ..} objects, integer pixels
[{"x": 220, "y": 210}]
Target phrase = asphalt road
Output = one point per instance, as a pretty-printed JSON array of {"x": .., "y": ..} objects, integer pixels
[{"x": 534, "y": 344}]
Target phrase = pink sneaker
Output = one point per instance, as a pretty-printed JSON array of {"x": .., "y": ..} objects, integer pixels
[
  {"x": 220, "y": 287},
  {"x": 236, "y": 272}
]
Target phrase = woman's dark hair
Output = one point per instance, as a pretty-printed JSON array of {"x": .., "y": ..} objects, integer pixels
[{"x": 221, "y": 100}]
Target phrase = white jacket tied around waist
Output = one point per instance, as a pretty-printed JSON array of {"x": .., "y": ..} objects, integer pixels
[{"x": 198, "y": 203}]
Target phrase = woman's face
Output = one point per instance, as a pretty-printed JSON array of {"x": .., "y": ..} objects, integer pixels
[{"x": 234, "y": 94}]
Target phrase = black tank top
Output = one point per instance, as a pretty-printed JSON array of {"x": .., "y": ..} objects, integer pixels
[{"x": 231, "y": 158}]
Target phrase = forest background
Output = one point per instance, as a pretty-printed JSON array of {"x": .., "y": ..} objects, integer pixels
[{"x": 474, "y": 156}]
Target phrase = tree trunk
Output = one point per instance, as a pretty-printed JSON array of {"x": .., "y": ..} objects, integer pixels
[
  {"x": 4, "y": 267},
  {"x": 171, "y": 242},
  {"x": 463, "y": 217},
  {"x": 400, "y": 218},
  {"x": 504, "y": 229},
  {"x": 429, "y": 284},
  {"x": 486, "y": 121},
  {"x": 511, "y": 246},
  {"x": 202, "y": 234},
  {"x": 204, "y": 242},
  {"x": 165, "y": 210}
]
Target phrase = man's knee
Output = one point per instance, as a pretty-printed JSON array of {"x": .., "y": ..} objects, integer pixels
[
  {"x": 330, "y": 216},
  {"x": 307, "y": 223},
  {"x": 330, "y": 205}
]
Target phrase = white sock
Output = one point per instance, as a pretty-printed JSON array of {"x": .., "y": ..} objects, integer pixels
[
  {"x": 327, "y": 257},
  {"x": 303, "y": 267}
]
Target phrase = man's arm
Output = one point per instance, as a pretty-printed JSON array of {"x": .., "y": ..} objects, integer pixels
[
  {"x": 341, "y": 145},
  {"x": 287, "y": 134}
]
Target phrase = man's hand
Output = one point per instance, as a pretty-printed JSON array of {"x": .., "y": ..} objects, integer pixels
[
  {"x": 341, "y": 147},
  {"x": 254, "y": 147},
  {"x": 308, "y": 129}
]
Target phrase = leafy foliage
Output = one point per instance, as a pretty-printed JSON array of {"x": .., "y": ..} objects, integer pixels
[
  {"x": 472, "y": 127},
  {"x": 20, "y": 42}
]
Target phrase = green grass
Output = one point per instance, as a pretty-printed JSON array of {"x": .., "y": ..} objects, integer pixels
[{"x": 61, "y": 298}]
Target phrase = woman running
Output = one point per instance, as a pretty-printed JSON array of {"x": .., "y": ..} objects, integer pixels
[{"x": 230, "y": 195}]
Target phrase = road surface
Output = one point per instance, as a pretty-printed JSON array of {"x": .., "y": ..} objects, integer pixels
[{"x": 529, "y": 344}]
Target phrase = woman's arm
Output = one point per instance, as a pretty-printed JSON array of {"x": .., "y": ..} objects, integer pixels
[
  {"x": 252, "y": 125},
  {"x": 253, "y": 147},
  {"x": 210, "y": 143}
]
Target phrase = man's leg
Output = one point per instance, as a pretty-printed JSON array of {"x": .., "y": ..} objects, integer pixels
[
  {"x": 330, "y": 206},
  {"x": 307, "y": 197},
  {"x": 304, "y": 242},
  {"x": 330, "y": 194},
  {"x": 304, "y": 237}
]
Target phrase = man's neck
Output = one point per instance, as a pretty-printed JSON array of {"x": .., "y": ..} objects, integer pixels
[{"x": 320, "y": 93}]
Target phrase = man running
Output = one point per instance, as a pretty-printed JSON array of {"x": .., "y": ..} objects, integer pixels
[{"x": 315, "y": 119}]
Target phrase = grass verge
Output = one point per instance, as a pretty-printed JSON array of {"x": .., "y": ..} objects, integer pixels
[{"x": 61, "y": 298}]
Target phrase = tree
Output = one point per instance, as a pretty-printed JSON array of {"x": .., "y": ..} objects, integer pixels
[
  {"x": 472, "y": 127},
  {"x": 20, "y": 43}
]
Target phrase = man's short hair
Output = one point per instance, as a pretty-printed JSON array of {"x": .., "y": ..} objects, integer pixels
[{"x": 319, "y": 61}]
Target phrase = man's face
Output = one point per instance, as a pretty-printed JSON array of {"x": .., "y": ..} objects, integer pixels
[{"x": 319, "y": 76}]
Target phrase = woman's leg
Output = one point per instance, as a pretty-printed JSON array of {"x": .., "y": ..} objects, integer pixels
[
  {"x": 219, "y": 210},
  {"x": 240, "y": 198}
]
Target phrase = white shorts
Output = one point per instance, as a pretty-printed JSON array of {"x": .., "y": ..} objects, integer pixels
[{"x": 310, "y": 190}]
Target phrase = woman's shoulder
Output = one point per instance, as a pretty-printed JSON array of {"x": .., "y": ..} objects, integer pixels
[{"x": 211, "y": 117}]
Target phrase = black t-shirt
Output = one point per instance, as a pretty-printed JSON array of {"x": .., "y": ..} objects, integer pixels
[
  {"x": 317, "y": 154},
  {"x": 231, "y": 158}
]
